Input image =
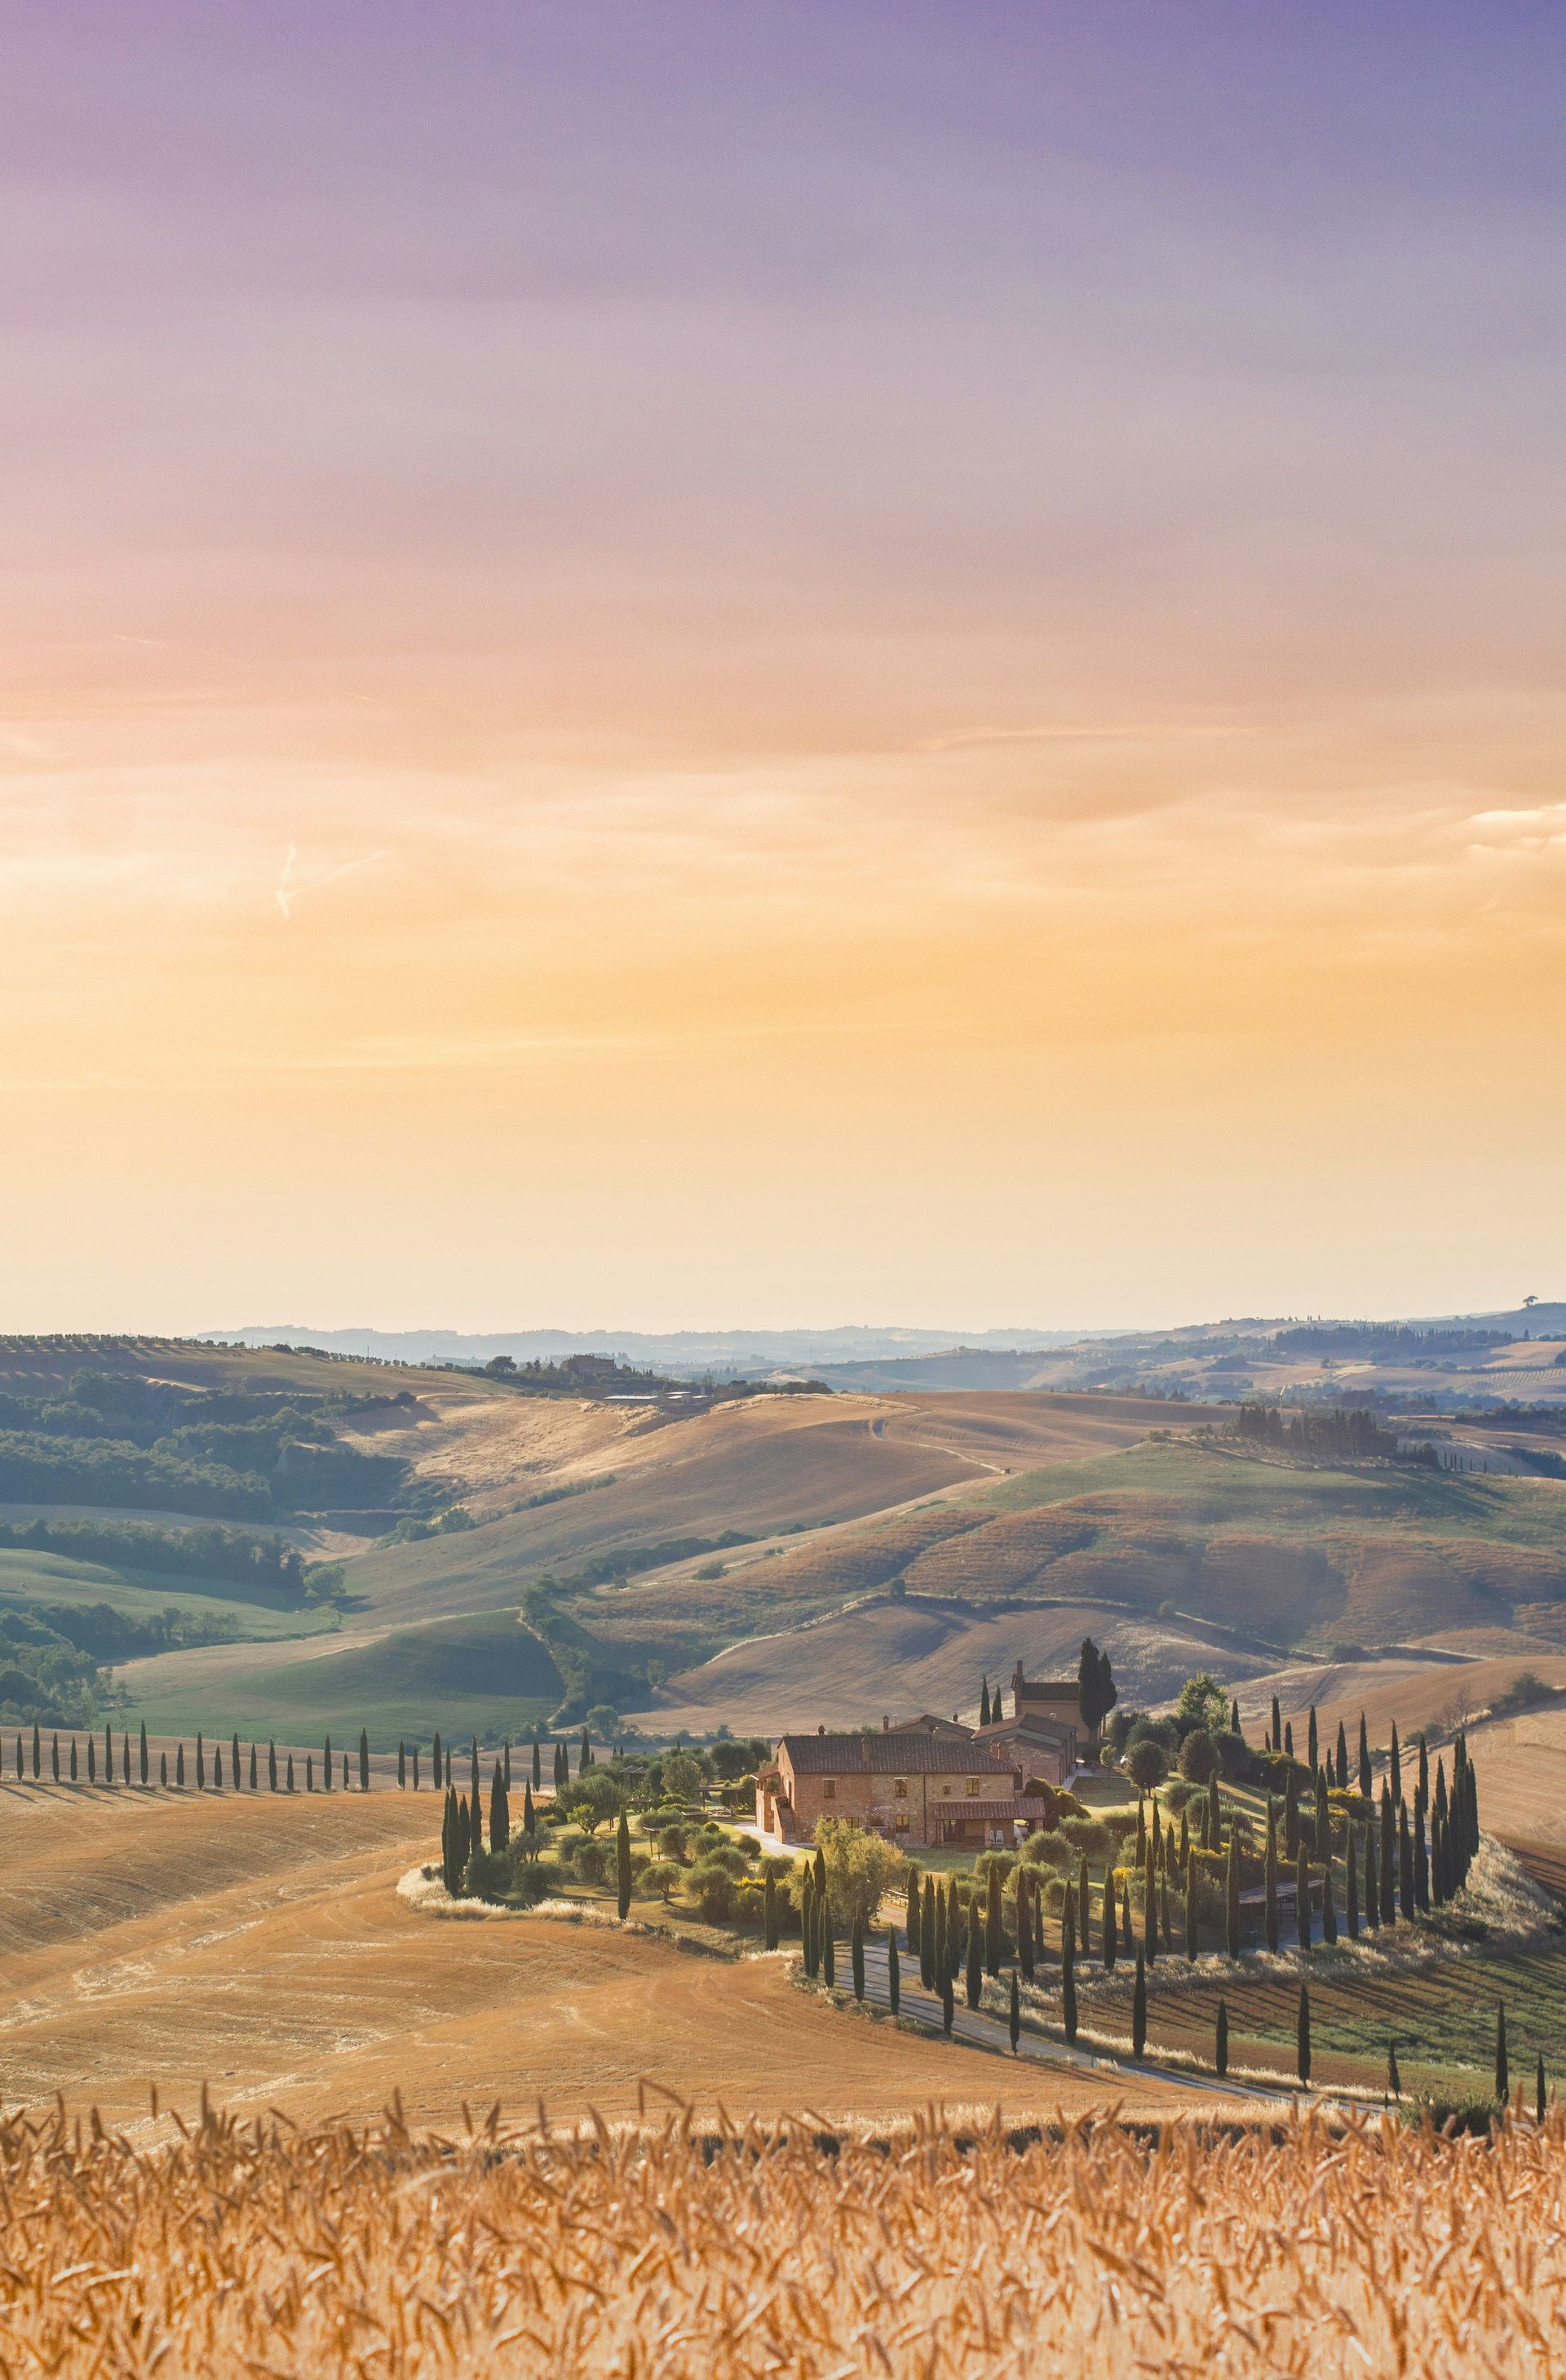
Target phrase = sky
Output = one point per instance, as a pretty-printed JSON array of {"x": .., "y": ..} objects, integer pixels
[{"x": 677, "y": 663}]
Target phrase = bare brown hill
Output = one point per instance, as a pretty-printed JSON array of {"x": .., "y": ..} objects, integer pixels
[{"x": 259, "y": 1947}]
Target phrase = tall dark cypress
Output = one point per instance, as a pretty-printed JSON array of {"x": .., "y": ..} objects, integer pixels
[
  {"x": 363, "y": 1761},
  {"x": 1193, "y": 1913},
  {"x": 73, "y": 1760},
  {"x": 217, "y": 1767},
  {"x": 271, "y": 1763},
  {"x": 473, "y": 1769},
  {"x": 1302, "y": 2035},
  {"x": 1149, "y": 1918},
  {"x": 1421, "y": 1861},
  {"x": 1139, "y": 2008},
  {"x": 162, "y": 1768},
  {"x": 1024, "y": 1927},
  {"x": 91, "y": 1758},
  {"x": 1342, "y": 1778},
  {"x": 179, "y": 1761},
  {"x": 1221, "y": 2041},
  {"x": 1395, "y": 2080},
  {"x": 828, "y": 1946},
  {"x": 1288, "y": 1738},
  {"x": 1013, "y": 2015},
  {"x": 500, "y": 1821},
  {"x": 1423, "y": 1788},
  {"x": 1110, "y": 1943},
  {"x": 984, "y": 1702},
  {"x": 1395, "y": 1766},
  {"x": 290, "y": 1772},
  {"x": 943, "y": 1948},
  {"x": 416, "y": 1768},
  {"x": 309, "y": 1772},
  {"x": 505, "y": 1756},
  {"x": 893, "y": 1971},
  {"x": 54, "y": 1758},
  {"x": 1215, "y": 1815},
  {"x": 974, "y": 1980},
  {"x": 994, "y": 1928},
  {"x": 1372, "y": 1889},
  {"x": 538, "y": 1764},
  {"x": 37, "y": 1752},
  {"x": 252, "y": 1767},
  {"x": 1290, "y": 1816},
  {"x": 1235, "y": 1727},
  {"x": 1275, "y": 1734},
  {"x": 401, "y": 1766},
  {"x": 1084, "y": 1914},
  {"x": 326, "y": 1763},
  {"x": 142, "y": 1752},
  {"x": 857, "y": 1956},
  {"x": 108, "y": 1756},
  {"x": 1301, "y": 1901},
  {"x": 530, "y": 1816},
  {"x": 807, "y": 1925},
  {"x": 1329, "y": 1913},
  {"x": 1437, "y": 1860},
  {"x": 929, "y": 1932},
  {"x": 1271, "y": 1907},
  {"x": 1068, "y": 1968},
  {"x": 1388, "y": 1857},
  {"x": 1313, "y": 1748},
  {"x": 1351, "y": 1882},
  {"x": 1231, "y": 1901},
  {"x": 235, "y": 1770},
  {"x": 622, "y": 1856},
  {"x": 1405, "y": 1865},
  {"x": 436, "y": 1778},
  {"x": 1365, "y": 1775}
]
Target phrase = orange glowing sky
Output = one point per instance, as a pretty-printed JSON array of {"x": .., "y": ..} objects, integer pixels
[{"x": 690, "y": 666}]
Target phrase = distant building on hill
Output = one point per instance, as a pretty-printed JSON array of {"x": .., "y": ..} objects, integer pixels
[{"x": 1058, "y": 1699}]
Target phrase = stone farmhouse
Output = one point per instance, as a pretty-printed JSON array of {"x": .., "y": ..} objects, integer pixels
[{"x": 929, "y": 1781}]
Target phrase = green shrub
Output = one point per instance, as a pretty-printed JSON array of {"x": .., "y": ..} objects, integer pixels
[{"x": 710, "y": 1886}]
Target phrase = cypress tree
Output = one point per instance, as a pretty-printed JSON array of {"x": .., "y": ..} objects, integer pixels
[
  {"x": 929, "y": 1937},
  {"x": 893, "y": 1972},
  {"x": 91, "y": 1758},
  {"x": 538, "y": 1764},
  {"x": 474, "y": 1811},
  {"x": 108, "y": 1756},
  {"x": 1341, "y": 1779},
  {"x": 1275, "y": 1738},
  {"x": 622, "y": 1860},
  {"x": 271, "y": 1763},
  {"x": 1290, "y": 1816},
  {"x": 948, "y": 2004},
  {"x": 1421, "y": 1862},
  {"x": 252, "y": 1767},
  {"x": 21, "y": 1760},
  {"x": 1388, "y": 1857},
  {"x": 1313, "y": 1748},
  {"x": 1221, "y": 2041},
  {"x": 401, "y": 1766},
  {"x": 162, "y": 1768},
  {"x": 1289, "y": 1739},
  {"x": 1083, "y": 1912},
  {"x": 1372, "y": 1890},
  {"x": 1235, "y": 1727},
  {"x": 178, "y": 1762},
  {"x": 200, "y": 1763},
  {"x": 363, "y": 1761},
  {"x": 1025, "y": 1926},
  {"x": 1405, "y": 1864},
  {"x": 1231, "y": 1901},
  {"x": 473, "y": 1767},
  {"x": 857, "y": 1956},
  {"x": 1149, "y": 1919},
  {"x": 1395, "y": 2080},
  {"x": 1422, "y": 1789},
  {"x": 1396, "y": 1766},
  {"x": 943, "y": 1953},
  {"x": 54, "y": 1758},
  {"x": 1538, "y": 2092},
  {"x": 233, "y": 1770},
  {"x": 1329, "y": 1911},
  {"x": 505, "y": 1756},
  {"x": 435, "y": 1778},
  {"x": 345, "y": 1772},
  {"x": 1271, "y": 1907},
  {"x": 828, "y": 1946},
  {"x": 1141, "y": 1858},
  {"x": 1185, "y": 1841},
  {"x": 73, "y": 1760},
  {"x": 1110, "y": 1945},
  {"x": 290, "y": 1772},
  {"x": 326, "y": 1766},
  {"x": 217, "y": 1767},
  {"x": 585, "y": 1759},
  {"x": 1192, "y": 1910},
  {"x": 1365, "y": 1776},
  {"x": 1014, "y": 2018},
  {"x": 416, "y": 1768},
  {"x": 1139, "y": 2008},
  {"x": 807, "y": 1924},
  {"x": 984, "y": 1702},
  {"x": 38, "y": 1753},
  {"x": 142, "y": 1752},
  {"x": 994, "y": 1930},
  {"x": 1302, "y": 2035},
  {"x": 1503, "y": 2071},
  {"x": 1438, "y": 1861},
  {"x": 975, "y": 1977},
  {"x": 1301, "y": 1901},
  {"x": 955, "y": 1925},
  {"x": 530, "y": 1821},
  {"x": 1440, "y": 1802},
  {"x": 500, "y": 1822},
  {"x": 911, "y": 1896},
  {"x": 1068, "y": 1968},
  {"x": 1215, "y": 1815}
]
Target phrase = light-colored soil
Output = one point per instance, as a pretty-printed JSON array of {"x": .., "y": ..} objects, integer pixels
[
  {"x": 259, "y": 1946},
  {"x": 899, "y": 1658}
]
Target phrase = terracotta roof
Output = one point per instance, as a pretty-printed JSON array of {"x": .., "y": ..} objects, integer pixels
[
  {"x": 896, "y": 1753},
  {"x": 992, "y": 1813},
  {"x": 1032, "y": 1725}
]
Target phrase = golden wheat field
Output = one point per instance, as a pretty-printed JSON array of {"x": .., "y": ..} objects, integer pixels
[{"x": 667, "y": 2254}]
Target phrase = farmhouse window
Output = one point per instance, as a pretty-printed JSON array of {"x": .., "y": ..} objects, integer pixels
[
  {"x": 828, "y": 1789},
  {"x": 973, "y": 1788},
  {"x": 900, "y": 1789}
]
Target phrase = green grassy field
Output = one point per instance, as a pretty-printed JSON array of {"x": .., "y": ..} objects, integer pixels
[
  {"x": 480, "y": 1674},
  {"x": 33, "y": 1579}
]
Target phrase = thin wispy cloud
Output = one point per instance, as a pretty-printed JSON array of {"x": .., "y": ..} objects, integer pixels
[{"x": 292, "y": 888}]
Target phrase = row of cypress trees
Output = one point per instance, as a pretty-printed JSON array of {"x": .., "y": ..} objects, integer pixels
[{"x": 73, "y": 1761}]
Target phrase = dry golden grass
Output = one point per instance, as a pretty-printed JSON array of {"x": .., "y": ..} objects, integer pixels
[{"x": 251, "y": 2249}]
